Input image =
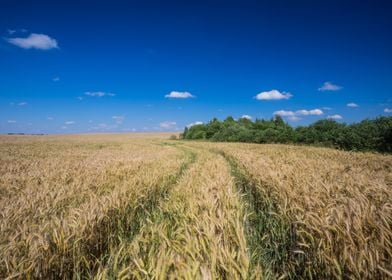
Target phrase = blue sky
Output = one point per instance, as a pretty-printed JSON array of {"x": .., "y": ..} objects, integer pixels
[{"x": 119, "y": 66}]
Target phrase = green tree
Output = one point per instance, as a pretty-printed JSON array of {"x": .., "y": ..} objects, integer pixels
[{"x": 367, "y": 135}]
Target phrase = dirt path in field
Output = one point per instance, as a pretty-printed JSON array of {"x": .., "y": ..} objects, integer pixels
[
  {"x": 253, "y": 214},
  {"x": 196, "y": 232},
  {"x": 255, "y": 219}
]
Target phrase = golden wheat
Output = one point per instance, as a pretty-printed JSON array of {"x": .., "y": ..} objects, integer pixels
[
  {"x": 329, "y": 212},
  {"x": 59, "y": 195},
  {"x": 197, "y": 233},
  {"x": 143, "y": 207}
]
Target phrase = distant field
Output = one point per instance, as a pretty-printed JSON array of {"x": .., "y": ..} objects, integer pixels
[{"x": 141, "y": 206}]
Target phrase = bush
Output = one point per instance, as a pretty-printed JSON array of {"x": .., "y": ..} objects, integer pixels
[{"x": 368, "y": 135}]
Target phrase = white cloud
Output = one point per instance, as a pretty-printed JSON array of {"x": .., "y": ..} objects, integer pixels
[
  {"x": 284, "y": 113},
  {"x": 168, "y": 125},
  {"x": 118, "y": 119},
  {"x": 13, "y": 31},
  {"x": 34, "y": 41},
  {"x": 50, "y": 118},
  {"x": 329, "y": 86},
  {"x": 326, "y": 108},
  {"x": 22, "y": 103},
  {"x": 56, "y": 79},
  {"x": 314, "y": 112},
  {"x": 80, "y": 98},
  {"x": 11, "y": 121},
  {"x": 246, "y": 117},
  {"x": 335, "y": 117},
  {"x": 104, "y": 125},
  {"x": 352, "y": 105},
  {"x": 194, "y": 123},
  {"x": 98, "y": 93},
  {"x": 388, "y": 110},
  {"x": 69, "y": 122},
  {"x": 179, "y": 94},
  {"x": 273, "y": 95},
  {"x": 294, "y": 118},
  {"x": 295, "y": 115}
]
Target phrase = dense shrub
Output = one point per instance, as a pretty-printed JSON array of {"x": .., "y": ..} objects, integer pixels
[{"x": 367, "y": 135}]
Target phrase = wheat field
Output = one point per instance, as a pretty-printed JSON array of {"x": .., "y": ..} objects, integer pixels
[{"x": 141, "y": 206}]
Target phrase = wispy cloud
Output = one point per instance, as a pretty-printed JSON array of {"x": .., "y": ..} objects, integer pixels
[
  {"x": 352, "y": 105},
  {"x": 388, "y": 110},
  {"x": 246, "y": 117},
  {"x": 13, "y": 31},
  {"x": 56, "y": 79},
  {"x": 294, "y": 118},
  {"x": 11, "y": 121},
  {"x": 295, "y": 115},
  {"x": 168, "y": 125},
  {"x": 284, "y": 113},
  {"x": 335, "y": 117},
  {"x": 21, "y": 104},
  {"x": 34, "y": 41},
  {"x": 314, "y": 112},
  {"x": 329, "y": 86},
  {"x": 118, "y": 119},
  {"x": 69, "y": 122},
  {"x": 50, "y": 118},
  {"x": 179, "y": 94},
  {"x": 104, "y": 127},
  {"x": 273, "y": 95},
  {"x": 194, "y": 123},
  {"x": 98, "y": 93}
]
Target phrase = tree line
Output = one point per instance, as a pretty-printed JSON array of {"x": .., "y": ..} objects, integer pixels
[{"x": 367, "y": 135}]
